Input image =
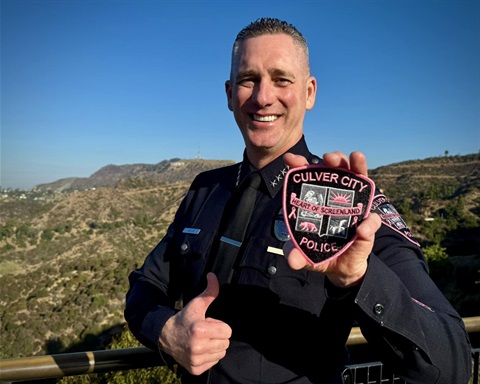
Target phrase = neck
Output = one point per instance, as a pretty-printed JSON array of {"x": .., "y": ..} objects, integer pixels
[
  {"x": 260, "y": 157},
  {"x": 261, "y": 161}
]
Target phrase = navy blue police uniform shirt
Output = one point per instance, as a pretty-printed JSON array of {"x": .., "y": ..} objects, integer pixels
[{"x": 292, "y": 326}]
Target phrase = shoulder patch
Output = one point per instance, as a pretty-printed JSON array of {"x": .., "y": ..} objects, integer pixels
[{"x": 390, "y": 217}]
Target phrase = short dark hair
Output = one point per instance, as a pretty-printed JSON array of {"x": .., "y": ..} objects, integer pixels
[{"x": 269, "y": 26}]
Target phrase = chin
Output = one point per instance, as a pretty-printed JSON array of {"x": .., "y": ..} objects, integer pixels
[
  {"x": 262, "y": 139},
  {"x": 261, "y": 145}
]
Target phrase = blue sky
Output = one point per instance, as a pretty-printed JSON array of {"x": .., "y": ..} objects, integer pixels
[{"x": 89, "y": 83}]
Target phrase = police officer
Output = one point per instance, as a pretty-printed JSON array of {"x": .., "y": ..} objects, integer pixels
[{"x": 278, "y": 318}]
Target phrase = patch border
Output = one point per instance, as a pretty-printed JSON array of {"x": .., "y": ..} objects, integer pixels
[{"x": 366, "y": 207}]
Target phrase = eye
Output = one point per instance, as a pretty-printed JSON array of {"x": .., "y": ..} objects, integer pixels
[
  {"x": 282, "y": 82},
  {"x": 246, "y": 82}
]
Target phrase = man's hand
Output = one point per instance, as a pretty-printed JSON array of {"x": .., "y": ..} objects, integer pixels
[
  {"x": 195, "y": 342},
  {"x": 349, "y": 268}
]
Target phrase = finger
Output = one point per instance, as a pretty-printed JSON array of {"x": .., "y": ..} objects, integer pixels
[
  {"x": 336, "y": 160},
  {"x": 201, "y": 303},
  {"x": 358, "y": 163},
  {"x": 368, "y": 227},
  {"x": 207, "y": 354},
  {"x": 221, "y": 330},
  {"x": 294, "y": 161},
  {"x": 213, "y": 288},
  {"x": 294, "y": 258},
  {"x": 197, "y": 370}
]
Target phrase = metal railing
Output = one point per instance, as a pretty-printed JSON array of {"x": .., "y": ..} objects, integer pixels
[
  {"x": 369, "y": 373},
  {"x": 376, "y": 373},
  {"x": 81, "y": 363}
]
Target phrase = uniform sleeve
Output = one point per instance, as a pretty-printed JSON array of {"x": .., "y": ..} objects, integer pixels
[{"x": 404, "y": 316}]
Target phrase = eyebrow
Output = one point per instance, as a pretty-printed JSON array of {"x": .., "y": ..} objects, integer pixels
[
  {"x": 272, "y": 72},
  {"x": 280, "y": 72},
  {"x": 249, "y": 73}
]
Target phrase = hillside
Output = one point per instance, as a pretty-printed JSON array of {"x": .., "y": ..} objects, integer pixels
[
  {"x": 433, "y": 178},
  {"x": 66, "y": 248},
  {"x": 63, "y": 270},
  {"x": 437, "y": 189}
]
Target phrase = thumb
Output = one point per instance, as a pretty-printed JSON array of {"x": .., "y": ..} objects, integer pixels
[
  {"x": 213, "y": 287},
  {"x": 295, "y": 259},
  {"x": 201, "y": 303},
  {"x": 294, "y": 161}
]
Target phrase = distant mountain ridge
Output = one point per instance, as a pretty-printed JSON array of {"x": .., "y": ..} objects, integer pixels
[
  {"x": 462, "y": 169},
  {"x": 423, "y": 179},
  {"x": 466, "y": 165},
  {"x": 166, "y": 171}
]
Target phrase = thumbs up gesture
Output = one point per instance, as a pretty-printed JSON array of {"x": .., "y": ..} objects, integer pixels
[{"x": 195, "y": 342}]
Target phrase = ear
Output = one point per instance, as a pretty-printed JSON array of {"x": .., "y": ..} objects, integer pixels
[
  {"x": 228, "y": 91},
  {"x": 311, "y": 92}
]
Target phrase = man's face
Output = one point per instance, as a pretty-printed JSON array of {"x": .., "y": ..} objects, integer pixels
[{"x": 269, "y": 92}]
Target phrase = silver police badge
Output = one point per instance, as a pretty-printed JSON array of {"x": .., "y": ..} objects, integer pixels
[
  {"x": 322, "y": 207},
  {"x": 280, "y": 228}
]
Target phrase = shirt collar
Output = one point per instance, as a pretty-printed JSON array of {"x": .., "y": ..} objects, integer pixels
[{"x": 273, "y": 174}]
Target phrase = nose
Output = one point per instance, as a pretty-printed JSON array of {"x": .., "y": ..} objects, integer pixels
[{"x": 263, "y": 94}]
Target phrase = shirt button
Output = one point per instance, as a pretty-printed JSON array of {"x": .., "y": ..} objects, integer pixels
[
  {"x": 378, "y": 309},
  {"x": 184, "y": 247},
  {"x": 272, "y": 270}
]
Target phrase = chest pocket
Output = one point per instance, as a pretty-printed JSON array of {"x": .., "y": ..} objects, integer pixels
[
  {"x": 263, "y": 264},
  {"x": 263, "y": 267},
  {"x": 192, "y": 249},
  {"x": 194, "y": 243}
]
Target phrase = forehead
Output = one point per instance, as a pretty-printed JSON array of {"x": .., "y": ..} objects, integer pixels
[{"x": 270, "y": 51}]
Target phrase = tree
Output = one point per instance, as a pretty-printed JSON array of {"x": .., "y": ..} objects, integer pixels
[{"x": 440, "y": 265}]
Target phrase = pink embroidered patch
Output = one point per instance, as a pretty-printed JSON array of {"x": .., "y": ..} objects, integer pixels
[
  {"x": 390, "y": 217},
  {"x": 322, "y": 208}
]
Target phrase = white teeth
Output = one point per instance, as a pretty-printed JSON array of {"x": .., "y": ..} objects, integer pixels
[{"x": 264, "y": 118}]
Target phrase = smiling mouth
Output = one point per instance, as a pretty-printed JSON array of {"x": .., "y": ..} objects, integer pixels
[{"x": 264, "y": 119}]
